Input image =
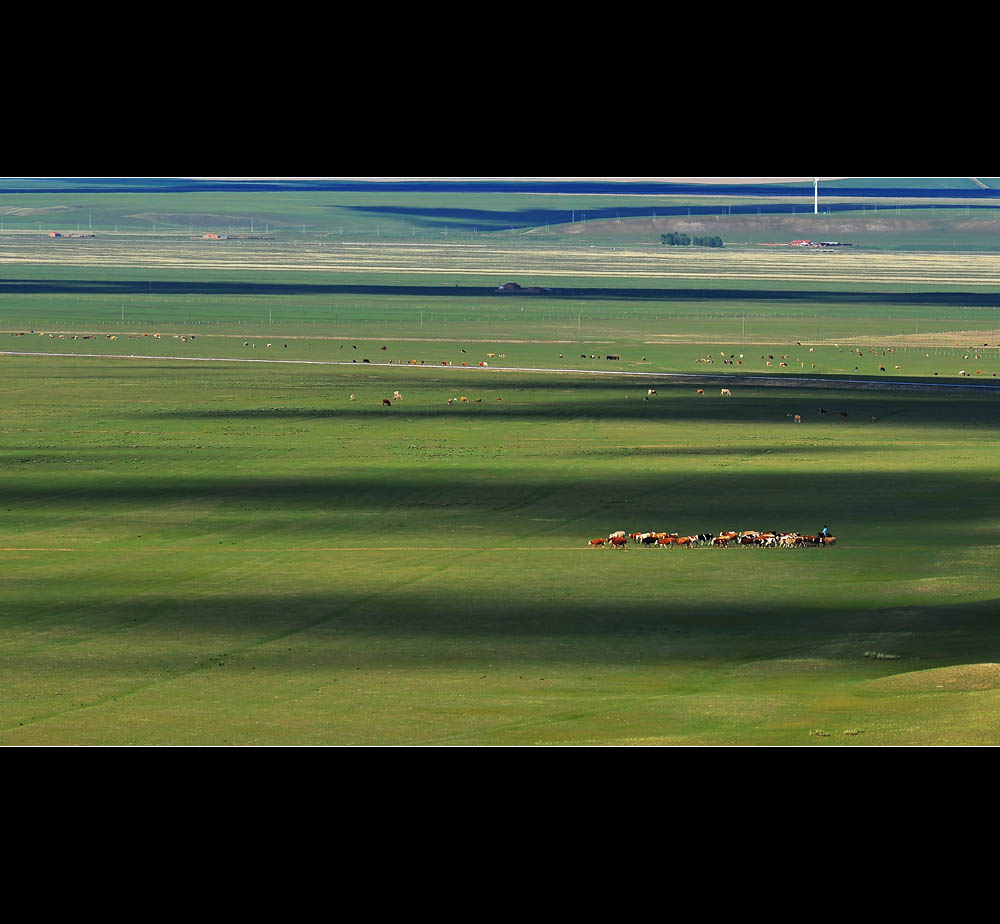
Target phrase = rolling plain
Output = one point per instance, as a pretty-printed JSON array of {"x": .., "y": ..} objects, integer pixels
[{"x": 214, "y": 531}]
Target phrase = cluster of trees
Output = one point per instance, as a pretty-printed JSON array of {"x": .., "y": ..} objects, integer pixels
[{"x": 679, "y": 239}]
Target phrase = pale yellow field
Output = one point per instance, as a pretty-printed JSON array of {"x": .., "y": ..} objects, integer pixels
[{"x": 525, "y": 264}]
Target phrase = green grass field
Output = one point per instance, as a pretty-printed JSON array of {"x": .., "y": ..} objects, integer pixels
[
  {"x": 195, "y": 555},
  {"x": 221, "y": 552}
]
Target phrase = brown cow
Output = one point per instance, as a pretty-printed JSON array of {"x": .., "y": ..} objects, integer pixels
[
  {"x": 386, "y": 402},
  {"x": 618, "y": 542},
  {"x": 596, "y": 543}
]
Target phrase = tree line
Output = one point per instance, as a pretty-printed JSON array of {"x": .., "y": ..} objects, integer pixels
[{"x": 679, "y": 239}]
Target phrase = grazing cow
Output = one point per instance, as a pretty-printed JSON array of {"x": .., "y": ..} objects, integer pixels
[
  {"x": 597, "y": 543},
  {"x": 464, "y": 400},
  {"x": 797, "y": 418},
  {"x": 726, "y": 393},
  {"x": 451, "y": 400},
  {"x": 352, "y": 397},
  {"x": 499, "y": 399},
  {"x": 397, "y": 396},
  {"x": 386, "y": 402},
  {"x": 843, "y": 414},
  {"x": 700, "y": 391},
  {"x": 619, "y": 542},
  {"x": 651, "y": 392}
]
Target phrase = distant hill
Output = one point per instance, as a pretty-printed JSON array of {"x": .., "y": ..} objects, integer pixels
[{"x": 885, "y": 230}]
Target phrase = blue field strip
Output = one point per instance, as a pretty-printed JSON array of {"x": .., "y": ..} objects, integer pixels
[{"x": 692, "y": 377}]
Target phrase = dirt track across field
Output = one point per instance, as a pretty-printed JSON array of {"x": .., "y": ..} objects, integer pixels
[{"x": 652, "y": 377}]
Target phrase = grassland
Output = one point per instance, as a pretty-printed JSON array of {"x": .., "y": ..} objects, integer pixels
[
  {"x": 201, "y": 556},
  {"x": 222, "y": 552}
]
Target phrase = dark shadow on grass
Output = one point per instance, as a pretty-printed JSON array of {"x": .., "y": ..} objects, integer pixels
[
  {"x": 803, "y": 450},
  {"x": 737, "y": 493},
  {"x": 802, "y": 189},
  {"x": 427, "y": 626},
  {"x": 435, "y": 217},
  {"x": 672, "y": 404},
  {"x": 125, "y": 287}
]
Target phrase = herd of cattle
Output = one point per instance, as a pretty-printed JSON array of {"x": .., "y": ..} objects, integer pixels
[{"x": 749, "y": 537}]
